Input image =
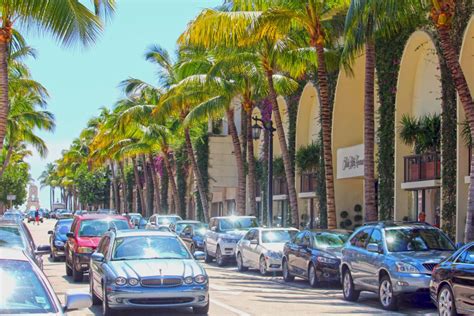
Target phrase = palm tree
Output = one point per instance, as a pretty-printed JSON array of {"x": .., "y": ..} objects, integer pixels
[
  {"x": 442, "y": 14},
  {"x": 46, "y": 179},
  {"x": 67, "y": 21}
]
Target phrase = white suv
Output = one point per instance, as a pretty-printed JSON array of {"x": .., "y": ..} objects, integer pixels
[{"x": 223, "y": 235}]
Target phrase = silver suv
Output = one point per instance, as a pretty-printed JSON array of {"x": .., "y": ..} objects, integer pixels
[
  {"x": 223, "y": 235},
  {"x": 392, "y": 258}
]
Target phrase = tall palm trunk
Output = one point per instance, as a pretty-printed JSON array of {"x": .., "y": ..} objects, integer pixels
[
  {"x": 123, "y": 181},
  {"x": 138, "y": 183},
  {"x": 369, "y": 165},
  {"x": 171, "y": 181},
  {"x": 197, "y": 175},
  {"x": 251, "y": 167},
  {"x": 240, "y": 200},
  {"x": 4, "y": 102},
  {"x": 290, "y": 177},
  {"x": 156, "y": 185},
  {"x": 51, "y": 199},
  {"x": 6, "y": 162},
  {"x": 148, "y": 186},
  {"x": 116, "y": 197},
  {"x": 465, "y": 97},
  {"x": 327, "y": 133}
]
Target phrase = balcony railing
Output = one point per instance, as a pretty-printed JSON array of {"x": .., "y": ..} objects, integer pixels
[
  {"x": 308, "y": 182},
  {"x": 422, "y": 167}
]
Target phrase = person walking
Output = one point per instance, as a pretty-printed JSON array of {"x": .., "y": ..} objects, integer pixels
[{"x": 37, "y": 217}]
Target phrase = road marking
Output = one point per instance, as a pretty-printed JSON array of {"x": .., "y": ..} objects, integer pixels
[
  {"x": 226, "y": 289},
  {"x": 229, "y": 308}
]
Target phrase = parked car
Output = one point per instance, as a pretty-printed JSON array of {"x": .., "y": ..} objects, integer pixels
[
  {"x": 107, "y": 211},
  {"x": 192, "y": 233},
  {"x": 392, "y": 259},
  {"x": 31, "y": 216},
  {"x": 262, "y": 249},
  {"x": 156, "y": 220},
  {"x": 26, "y": 290},
  {"x": 223, "y": 235},
  {"x": 85, "y": 234},
  {"x": 53, "y": 214},
  {"x": 17, "y": 236},
  {"x": 147, "y": 269},
  {"x": 136, "y": 219},
  {"x": 81, "y": 212},
  {"x": 12, "y": 216},
  {"x": 58, "y": 238},
  {"x": 314, "y": 256},
  {"x": 62, "y": 214},
  {"x": 452, "y": 283}
]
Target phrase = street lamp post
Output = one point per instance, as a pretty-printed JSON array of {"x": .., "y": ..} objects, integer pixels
[{"x": 256, "y": 131}]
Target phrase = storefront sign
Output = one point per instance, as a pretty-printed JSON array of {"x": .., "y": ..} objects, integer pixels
[{"x": 350, "y": 162}]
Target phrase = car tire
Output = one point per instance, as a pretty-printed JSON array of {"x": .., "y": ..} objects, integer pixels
[
  {"x": 446, "y": 303},
  {"x": 287, "y": 277},
  {"x": 54, "y": 257},
  {"x": 201, "y": 310},
  {"x": 207, "y": 257},
  {"x": 77, "y": 276},
  {"x": 262, "y": 266},
  {"x": 348, "y": 288},
  {"x": 219, "y": 258},
  {"x": 95, "y": 299},
  {"x": 387, "y": 298},
  {"x": 312, "y": 276},
  {"x": 240, "y": 263},
  {"x": 68, "y": 268},
  {"x": 106, "y": 310}
]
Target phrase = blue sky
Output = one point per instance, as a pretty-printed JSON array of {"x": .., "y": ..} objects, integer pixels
[{"x": 80, "y": 81}]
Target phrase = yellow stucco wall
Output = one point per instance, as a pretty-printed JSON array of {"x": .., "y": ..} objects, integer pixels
[
  {"x": 418, "y": 93},
  {"x": 466, "y": 59}
]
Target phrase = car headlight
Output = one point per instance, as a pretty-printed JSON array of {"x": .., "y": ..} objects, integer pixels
[
  {"x": 188, "y": 280},
  {"x": 200, "y": 279},
  {"x": 133, "y": 281},
  {"x": 85, "y": 250},
  {"x": 406, "y": 268},
  {"x": 58, "y": 243},
  {"x": 120, "y": 281},
  {"x": 326, "y": 260}
]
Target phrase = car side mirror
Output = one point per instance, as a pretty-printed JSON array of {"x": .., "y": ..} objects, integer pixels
[
  {"x": 254, "y": 242},
  {"x": 97, "y": 257},
  {"x": 199, "y": 255},
  {"x": 77, "y": 300},
  {"x": 42, "y": 250},
  {"x": 69, "y": 235},
  {"x": 50, "y": 232},
  {"x": 373, "y": 248}
]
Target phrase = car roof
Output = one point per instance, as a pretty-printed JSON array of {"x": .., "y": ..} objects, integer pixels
[
  {"x": 189, "y": 222},
  {"x": 12, "y": 254},
  {"x": 274, "y": 228},
  {"x": 142, "y": 232},
  {"x": 340, "y": 231},
  {"x": 100, "y": 216},
  {"x": 63, "y": 220},
  {"x": 8, "y": 222},
  {"x": 231, "y": 216},
  {"x": 168, "y": 215},
  {"x": 396, "y": 224}
]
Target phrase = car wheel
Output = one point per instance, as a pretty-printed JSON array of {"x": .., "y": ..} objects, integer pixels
[
  {"x": 240, "y": 263},
  {"x": 106, "y": 310},
  {"x": 262, "y": 266},
  {"x": 287, "y": 277},
  {"x": 348, "y": 289},
  {"x": 77, "y": 276},
  {"x": 68, "y": 268},
  {"x": 207, "y": 257},
  {"x": 219, "y": 258},
  {"x": 387, "y": 298},
  {"x": 95, "y": 298},
  {"x": 312, "y": 277},
  {"x": 53, "y": 256},
  {"x": 201, "y": 310},
  {"x": 446, "y": 304}
]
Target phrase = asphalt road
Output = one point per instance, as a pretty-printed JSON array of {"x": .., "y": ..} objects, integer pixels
[{"x": 243, "y": 294}]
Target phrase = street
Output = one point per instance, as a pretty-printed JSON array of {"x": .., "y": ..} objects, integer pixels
[{"x": 243, "y": 294}]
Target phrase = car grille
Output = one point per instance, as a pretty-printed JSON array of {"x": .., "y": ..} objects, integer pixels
[
  {"x": 429, "y": 266},
  {"x": 161, "y": 301},
  {"x": 166, "y": 282}
]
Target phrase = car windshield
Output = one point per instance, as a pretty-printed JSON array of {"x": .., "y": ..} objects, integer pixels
[
  {"x": 25, "y": 293},
  {"x": 198, "y": 228},
  {"x": 410, "y": 239},
  {"x": 63, "y": 228},
  {"x": 149, "y": 247},
  {"x": 277, "y": 236},
  {"x": 237, "y": 223},
  {"x": 10, "y": 237},
  {"x": 166, "y": 220},
  {"x": 325, "y": 240},
  {"x": 96, "y": 228}
]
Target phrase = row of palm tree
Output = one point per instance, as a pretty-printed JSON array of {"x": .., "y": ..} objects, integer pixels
[{"x": 249, "y": 52}]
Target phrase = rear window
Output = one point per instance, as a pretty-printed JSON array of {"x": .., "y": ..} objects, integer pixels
[
  {"x": 417, "y": 239},
  {"x": 96, "y": 228},
  {"x": 10, "y": 237}
]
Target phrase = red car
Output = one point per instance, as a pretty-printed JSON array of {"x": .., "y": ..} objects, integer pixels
[{"x": 85, "y": 234}]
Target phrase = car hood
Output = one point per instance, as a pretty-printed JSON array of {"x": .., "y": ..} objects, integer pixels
[
  {"x": 151, "y": 268},
  {"x": 60, "y": 237},
  {"x": 434, "y": 256},
  {"x": 88, "y": 241},
  {"x": 335, "y": 252},
  {"x": 277, "y": 247}
]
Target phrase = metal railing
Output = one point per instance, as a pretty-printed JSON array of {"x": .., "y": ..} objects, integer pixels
[{"x": 422, "y": 167}]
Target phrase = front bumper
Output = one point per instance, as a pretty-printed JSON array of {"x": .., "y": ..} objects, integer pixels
[
  {"x": 228, "y": 250},
  {"x": 58, "y": 251},
  {"x": 273, "y": 264},
  {"x": 406, "y": 283},
  {"x": 82, "y": 261},
  {"x": 328, "y": 272},
  {"x": 147, "y": 297}
]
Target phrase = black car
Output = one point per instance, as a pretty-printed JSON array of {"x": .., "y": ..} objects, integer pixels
[
  {"x": 58, "y": 238},
  {"x": 314, "y": 255},
  {"x": 192, "y": 233},
  {"x": 17, "y": 236},
  {"x": 452, "y": 283}
]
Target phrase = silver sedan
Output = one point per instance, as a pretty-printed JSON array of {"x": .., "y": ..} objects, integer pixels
[
  {"x": 262, "y": 249},
  {"x": 147, "y": 269}
]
